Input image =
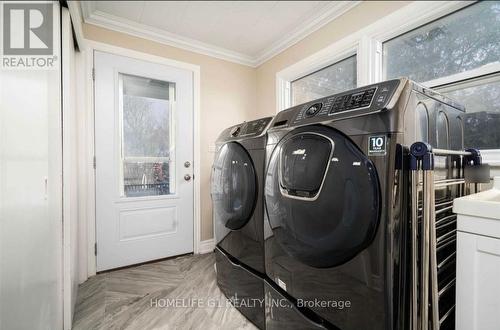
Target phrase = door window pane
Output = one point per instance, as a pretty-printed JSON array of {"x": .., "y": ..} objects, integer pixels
[
  {"x": 335, "y": 78},
  {"x": 147, "y": 146},
  {"x": 482, "y": 121},
  {"x": 464, "y": 40}
]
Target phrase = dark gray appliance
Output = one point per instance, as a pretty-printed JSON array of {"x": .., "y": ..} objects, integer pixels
[
  {"x": 238, "y": 208},
  {"x": 336, "y": 195}
]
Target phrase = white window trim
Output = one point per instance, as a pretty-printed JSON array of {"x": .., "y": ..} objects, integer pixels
[
  {"x": 470, "y": 82},
  {"x": 367, "y": 45},
  {"x": 458, "y": 78}
]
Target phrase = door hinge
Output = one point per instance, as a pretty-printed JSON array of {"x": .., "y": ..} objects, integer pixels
[
  {"x": 94, "y": 162},
  {"x": 95, "y": 248},
  {"x": 93, "y": 74}
]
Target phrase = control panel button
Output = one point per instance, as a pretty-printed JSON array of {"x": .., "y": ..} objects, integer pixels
[
  {"x": 381, "y": 98},
  {"x": 314, "y": 109},
  {"x": 235, "y": 131}
]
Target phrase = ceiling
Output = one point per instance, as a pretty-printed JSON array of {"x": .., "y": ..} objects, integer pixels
[{"x": 247, "y": 32}]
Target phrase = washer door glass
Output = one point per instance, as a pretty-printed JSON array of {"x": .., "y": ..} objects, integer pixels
[
  {"x": 322, "y": 196},
  {"x": 303, "y": 162},
  {"x": 233, "y": 186}
]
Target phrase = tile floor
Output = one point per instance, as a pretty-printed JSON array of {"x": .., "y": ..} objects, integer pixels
[{"x": 136, "y": 298}]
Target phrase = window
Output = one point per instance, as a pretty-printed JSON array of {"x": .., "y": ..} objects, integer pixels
[
  {"x": 482, "y": 121},
  {"x": 147, "y": 153},
  {"x": 462, "y": 41},
  {"x": 477, "y": 96},
  {"x": 335, "y": 78}
]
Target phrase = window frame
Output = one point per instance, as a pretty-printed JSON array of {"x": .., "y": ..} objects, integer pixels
[
  {"x": 172, "y": 133},
  {"x": 366, "y": 44}
]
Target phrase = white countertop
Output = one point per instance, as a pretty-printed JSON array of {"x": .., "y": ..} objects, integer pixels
[{"x": 485, "y": 204}]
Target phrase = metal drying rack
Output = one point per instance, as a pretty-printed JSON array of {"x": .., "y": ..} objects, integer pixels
[{"x": 433, "y": 233}]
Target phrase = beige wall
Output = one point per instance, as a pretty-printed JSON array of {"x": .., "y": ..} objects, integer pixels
[
  {"x": 232, "y": 93},
  {"x": 228, "y": 94},
  {"x": 352, "y": 21}
]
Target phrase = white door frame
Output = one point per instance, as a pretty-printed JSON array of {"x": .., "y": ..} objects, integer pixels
[{"x": 88, "y": 134}]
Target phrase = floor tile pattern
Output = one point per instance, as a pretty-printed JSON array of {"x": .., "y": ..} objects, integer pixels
[{"x": 138, "y": 298}]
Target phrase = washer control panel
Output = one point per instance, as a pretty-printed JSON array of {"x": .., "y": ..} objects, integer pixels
[
  {"x": 353, "y": 101},
  {"x": 365, "y": 99},
  {"x": 251, "y": 128}
]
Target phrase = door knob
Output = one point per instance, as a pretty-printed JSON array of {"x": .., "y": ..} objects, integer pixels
[{"x": 187, "y": 177}]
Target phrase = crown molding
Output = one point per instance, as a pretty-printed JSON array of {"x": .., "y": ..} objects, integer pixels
[
  {"x": 119, "y": 24},
  {"x": 331, "y": 11}
]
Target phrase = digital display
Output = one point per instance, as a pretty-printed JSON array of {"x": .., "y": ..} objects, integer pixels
[
  {"x": 357, "y": 97},
  {"x": 255, "y": 127},
  {"x": 353, "y": 101}
]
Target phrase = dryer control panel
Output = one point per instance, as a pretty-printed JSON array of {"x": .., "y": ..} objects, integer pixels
[{"x": 363, "y": 100}]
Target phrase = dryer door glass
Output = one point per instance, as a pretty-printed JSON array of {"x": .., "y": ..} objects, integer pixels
[
  {"x": 233, "y": 186},
  {"x": 323, "y": 205}
]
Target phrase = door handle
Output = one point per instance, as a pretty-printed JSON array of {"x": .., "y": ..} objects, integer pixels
[
  {"x": 187, "y": 177},
  {"x": 46, "y": 187}
]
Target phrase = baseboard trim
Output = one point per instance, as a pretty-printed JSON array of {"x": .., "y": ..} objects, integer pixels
[{"x": 206, "y": 246}]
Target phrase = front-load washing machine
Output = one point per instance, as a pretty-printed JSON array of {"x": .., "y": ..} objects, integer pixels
[
  {"x": 336, "y": 242},
  {"x": 238, "y": 210}
]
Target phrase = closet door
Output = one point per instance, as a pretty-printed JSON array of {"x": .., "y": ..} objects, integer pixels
[
  {"x": 31, "y": 178},
  {"x": 70, "y": 167}
]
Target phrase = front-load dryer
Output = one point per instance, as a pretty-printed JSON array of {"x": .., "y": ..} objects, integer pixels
[
  {"x": 238, "y": 211},
  {"x": 336, "y": 242}
]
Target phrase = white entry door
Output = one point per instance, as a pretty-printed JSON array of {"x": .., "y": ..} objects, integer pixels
[{"x": 144, "y": 156}]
